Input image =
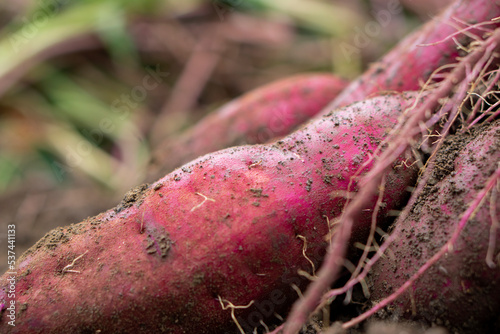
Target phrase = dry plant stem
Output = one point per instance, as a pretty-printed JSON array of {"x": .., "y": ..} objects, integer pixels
[
  {"x": 484, "y": 113},
  {"x": 461, "y": 30},
  {"x": 430, "y": 165},
  {"x": 492, "y": 83},
  {"x": 196, "y": 74},
  {"x": 332, "y": 264},
  {"x": 442, "y": 251},
  {"x": 392, "y": 74},
  {"x": 395, "y": 235},
  {"x": 334, "y": 260},
  {"x": 192, "y": 81},
  {"x": 492, "y": 107},
  {"x": 420, "y": 115},
  {"x": 76, "y": 44},
  {"x": 495, "y": 115},
  {"x": 372, "y": 231},
  {"x": 355, "y": 279}
]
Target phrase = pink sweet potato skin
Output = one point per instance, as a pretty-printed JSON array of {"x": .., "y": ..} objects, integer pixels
[
  {"x": 267, "y": 112},
  {"x": 409, "y": 64},
  {"x": 226, "y": 224},
  {"x": 460, "y": 291}
]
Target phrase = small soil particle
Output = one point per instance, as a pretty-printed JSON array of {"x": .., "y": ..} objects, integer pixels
[
  {"x": 134, "y": 195},
  {"x": 309, "y": 184},
  {"x": 257, "y": 192}
]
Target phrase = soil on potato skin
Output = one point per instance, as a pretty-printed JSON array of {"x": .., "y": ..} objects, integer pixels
[
  {"x": 452, "y": 147},
  {"x": 445, "y": 159},
  {"x": 438, "y": 312}
]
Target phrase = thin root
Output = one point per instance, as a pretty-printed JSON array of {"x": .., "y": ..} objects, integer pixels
[
  {"x": 304, "y": 249},
  {"x": 233, "y": 307},
  {"x": 299, "y": 157},
  {"x": 296, "y": 288},
  {"x": 264, "y": 325},
  {"x": 255, "y": 164},
  {"x": 205, "y": 198},
  {"x": 68, "y": 269},
  {"x": 142, "y": 223},
  {"x": 467, "y": 215}
]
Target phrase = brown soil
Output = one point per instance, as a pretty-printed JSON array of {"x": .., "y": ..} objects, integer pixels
[{"x": 422, "y": 239}]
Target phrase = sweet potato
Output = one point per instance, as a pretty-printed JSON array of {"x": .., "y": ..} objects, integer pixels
[
  {"x": 231, "y": 228},
  {"x": 267, "y": 112},
  {"x": 415, "y": 58},
  {"x": 460, "y": 291},
  {"x": 455, "y": 83}
]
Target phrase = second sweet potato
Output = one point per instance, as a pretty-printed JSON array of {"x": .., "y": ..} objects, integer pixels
[
  {"x": 460, "y": 291},
  {"x": 267, "y": 112}
]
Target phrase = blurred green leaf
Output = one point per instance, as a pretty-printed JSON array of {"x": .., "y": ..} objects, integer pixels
[
  {"x": 113, "y": 32},
  {"x": 106, "y": 18},
  {"x": 75, "y": 104},
  {"x": 8, "y": 169},
  {"x": 323, "y": 17}
]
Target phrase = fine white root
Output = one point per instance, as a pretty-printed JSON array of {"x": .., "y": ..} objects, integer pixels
[
  {"x": 304, "y": 249},
  {"x": 68, "y": 269},
  {"x": 205, "y": 198},
  {"x": 233, "y": 307}
]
